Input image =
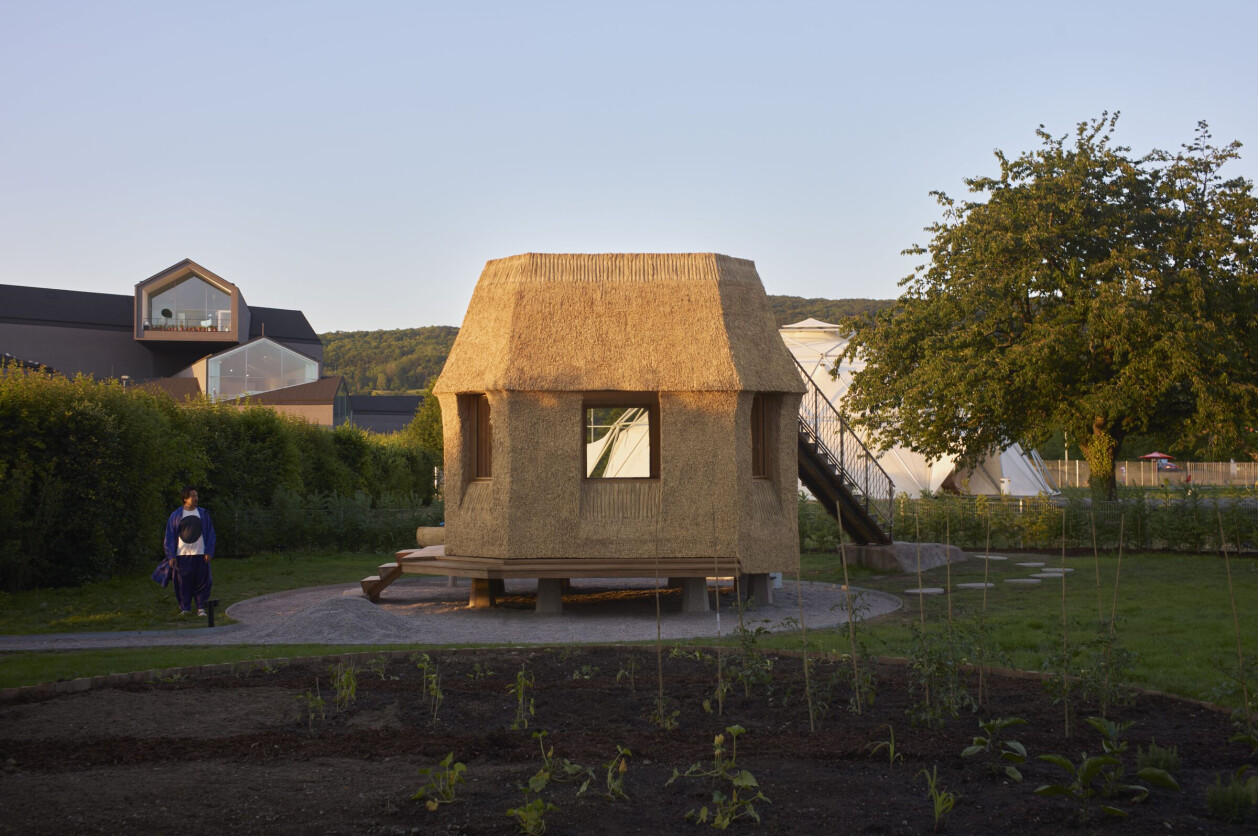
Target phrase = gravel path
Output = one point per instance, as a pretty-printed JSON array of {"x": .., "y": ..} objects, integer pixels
[{"x": 419, "y": 609}]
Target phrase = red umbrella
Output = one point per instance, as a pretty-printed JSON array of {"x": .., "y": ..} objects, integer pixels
[{"x": 1156, "y": 455}]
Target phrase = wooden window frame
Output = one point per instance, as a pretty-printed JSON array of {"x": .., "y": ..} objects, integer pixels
[
  {"x": 650, "y": 401},
  {"x": 480, "y": 437},
  {"x": 759, "y": 437}
]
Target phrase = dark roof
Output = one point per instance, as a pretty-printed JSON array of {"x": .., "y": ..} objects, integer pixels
[
  {"x": 320, "y": 391},
  {"x": 50, "y": 306},
  {"x": 280, "y": 324},
  {"x": 179, "y": 388},
  {"x": 46, "y": 305},
  {"x": 9, "y": 360},
  {"x": 385, "y": 404}
]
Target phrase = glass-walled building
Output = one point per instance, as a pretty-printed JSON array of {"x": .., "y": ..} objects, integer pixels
[
  {"x": 259, "y": 366},
  {"x": 191, "y": 304}
]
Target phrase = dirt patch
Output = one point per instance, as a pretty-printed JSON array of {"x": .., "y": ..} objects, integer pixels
[{"x": 239, "y": 753}]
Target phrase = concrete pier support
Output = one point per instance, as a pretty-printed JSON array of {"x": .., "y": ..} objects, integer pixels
[
  {"x": 758, "y": 586},
  {"x": 484, "y": 591},
  {"x": 694, "y": 594},
  {"x": 549, "y": 596}
]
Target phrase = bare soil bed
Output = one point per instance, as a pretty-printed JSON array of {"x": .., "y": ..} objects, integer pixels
[{"x": 236, "y": 752}]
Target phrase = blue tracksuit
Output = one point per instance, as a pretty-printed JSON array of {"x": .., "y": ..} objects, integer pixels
[{"x": 192, "y": 571}]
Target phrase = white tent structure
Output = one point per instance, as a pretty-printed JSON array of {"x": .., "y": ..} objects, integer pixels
[{"x": 817, "y": 346}]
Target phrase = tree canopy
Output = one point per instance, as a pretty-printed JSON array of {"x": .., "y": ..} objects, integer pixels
[{"x": 1082, "y": 289}]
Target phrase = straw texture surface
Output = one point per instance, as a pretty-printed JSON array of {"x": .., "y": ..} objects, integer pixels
[{"x": 543, "y": 333}]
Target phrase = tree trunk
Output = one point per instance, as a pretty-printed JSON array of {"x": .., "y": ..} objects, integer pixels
[{"x": 1099, "y": 452}]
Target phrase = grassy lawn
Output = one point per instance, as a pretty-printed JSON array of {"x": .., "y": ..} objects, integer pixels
[
  {"x": 135, "y": 602},
  {"x": 1173, "y": 614}
]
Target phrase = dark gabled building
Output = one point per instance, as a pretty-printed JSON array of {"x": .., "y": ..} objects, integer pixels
[{"x": 187, "y": 332}]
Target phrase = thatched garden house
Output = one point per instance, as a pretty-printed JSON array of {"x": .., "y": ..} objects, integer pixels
[{"x": 620, "y": 415}]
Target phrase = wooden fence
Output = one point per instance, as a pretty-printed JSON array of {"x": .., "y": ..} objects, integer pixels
[{"x": 1074, "y": 473}]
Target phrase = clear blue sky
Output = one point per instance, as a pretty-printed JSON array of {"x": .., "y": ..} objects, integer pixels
[{"x": 361, "y": 161}]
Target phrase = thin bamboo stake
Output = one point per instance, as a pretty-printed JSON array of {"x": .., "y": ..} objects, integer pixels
[
  {"x": 851, "y": 623},
  {"x": 1065, "y": 644},
  {"x": 948, "y": 568},
  {"x": 1236, "y": 624},
  {"x": 720, "y": 666},
  {"x": 1109, "y": 644},
  {"x": 803, "y": 629},
  {"x": 921, "y": 599},
  {"x": 1118, "y": 571},
  {"x": 982, "y": 616},
  {"x": 659, "y": 636},
  {"x": 1096, "y": 563}
]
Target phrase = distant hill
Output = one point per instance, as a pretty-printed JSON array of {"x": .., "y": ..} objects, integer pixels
[
  {"x": 399, "y": 360},
  {"x": 788, "y": 309},
  {"x": 409, "y": 359}
]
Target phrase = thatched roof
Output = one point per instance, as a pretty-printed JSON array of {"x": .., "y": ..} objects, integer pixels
[{"x": 621, "y": 321}]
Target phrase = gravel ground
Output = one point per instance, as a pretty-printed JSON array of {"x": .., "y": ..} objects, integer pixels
[{"x": 427, "y": 610}]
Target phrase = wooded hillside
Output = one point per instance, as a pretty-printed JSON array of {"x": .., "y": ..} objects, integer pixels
[{"x": 409, "y": 359}]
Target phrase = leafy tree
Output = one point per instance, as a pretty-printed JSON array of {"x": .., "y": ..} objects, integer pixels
[
  {"x": 425, "y": 428},
  {"x": 1085, "y": 291}
]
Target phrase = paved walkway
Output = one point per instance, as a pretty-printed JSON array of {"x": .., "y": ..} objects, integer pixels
[{"x": 419, "y": 609}]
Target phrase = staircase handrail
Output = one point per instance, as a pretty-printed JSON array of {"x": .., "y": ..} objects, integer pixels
[{"x": 847, "y": 455}]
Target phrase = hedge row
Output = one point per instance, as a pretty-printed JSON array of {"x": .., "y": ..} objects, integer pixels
[
  {"x": 90, "y": 470},
  {"x": 1174, "y": 519}
]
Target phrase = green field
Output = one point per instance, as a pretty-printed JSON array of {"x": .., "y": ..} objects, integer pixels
[{"x": 1173, "y": 614}]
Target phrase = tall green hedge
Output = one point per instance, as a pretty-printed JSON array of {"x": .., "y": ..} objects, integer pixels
[{"x": 90, "y": 470}]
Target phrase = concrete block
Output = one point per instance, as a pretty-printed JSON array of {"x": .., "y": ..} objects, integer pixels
[{"x": 902, "y": 557}]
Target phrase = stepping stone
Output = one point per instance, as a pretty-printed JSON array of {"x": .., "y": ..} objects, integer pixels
[
  {"x": 1023, "y": 581},
  {"x": 1049, "y": 575},
  {"x": 976, "y": 586},
  {"x": 1058, "y": 570},
  {"x": 1030, "y": 565},
  {"x": 925, "y": 590},
  {"x": 994, "y": 557}
]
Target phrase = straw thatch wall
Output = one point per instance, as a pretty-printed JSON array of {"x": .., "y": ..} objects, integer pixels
[{"x": 693, "y": 331}]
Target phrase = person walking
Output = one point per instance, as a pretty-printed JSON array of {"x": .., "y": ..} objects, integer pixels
[{"x": 190, "y": 545}]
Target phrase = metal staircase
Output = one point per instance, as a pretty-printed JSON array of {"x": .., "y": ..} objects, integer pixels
[{"x": 837, "y": 468}]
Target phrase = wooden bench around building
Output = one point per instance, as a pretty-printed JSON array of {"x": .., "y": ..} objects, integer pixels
[{"x": 488, "y": 575}]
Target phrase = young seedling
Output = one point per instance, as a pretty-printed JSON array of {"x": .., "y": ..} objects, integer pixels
[
  {"x": 1233, "y": 801},
  {"x": 743, "y": 789},
  {"x": 378, "y": 665},
  {"x": 584, "y": 672},
  {"x": 1079, "y": 787},
  {"x": 530, "y": 816},
  {"x": 520, "y": 689},
  {"x": 1112, "y": 744},
  {"x": 480, "y": 671},
  {"x": 1158, "y": 757},
  {"x": 561, "y": 773},
  {"x": 616, "y": 769},
  {"x": 888, "y": 744},
  {"x": 661, "y": 715},
  {"x": 442, "y": 781},
  {"x": 629, "y": 673},
  {"x": 345, "y": 683},
  {"x": 1003, "y": 755},
  {"x": 941, "y": 800},
  {"x": 313, "y": 703}
]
